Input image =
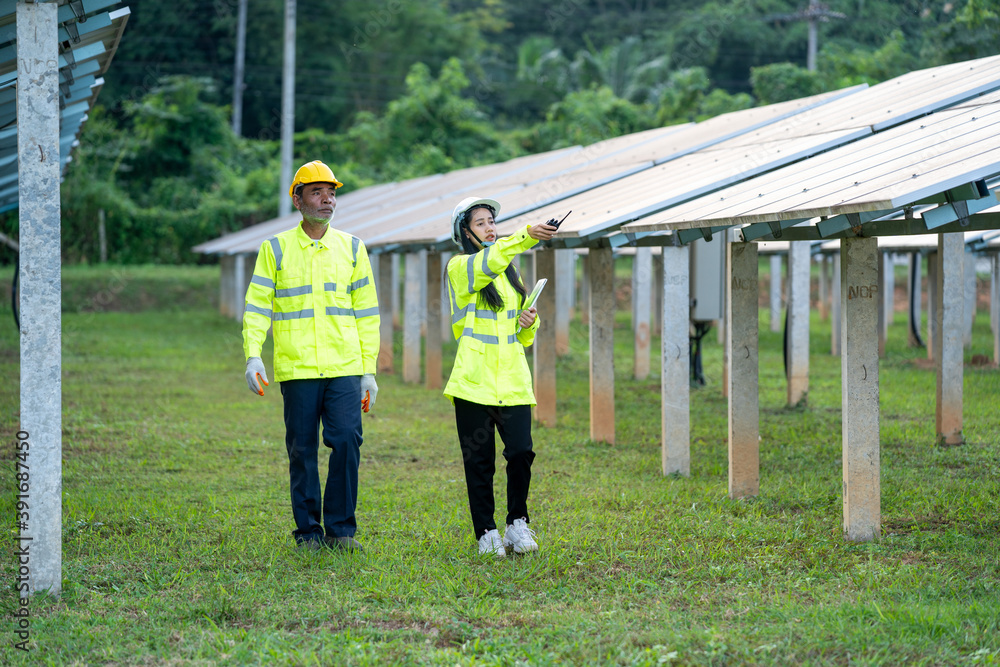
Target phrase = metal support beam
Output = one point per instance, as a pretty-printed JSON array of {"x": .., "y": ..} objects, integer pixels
[
  {"x": 957, "y": 211},
  {"x": 675, "y": 383},
  {"x": 744, "y": 379},
  {"x": 859, "y": 367},
  {"x": 40, "y": 434}
]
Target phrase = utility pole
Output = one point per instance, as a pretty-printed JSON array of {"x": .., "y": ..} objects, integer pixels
[
  {"x": 241, "y": 49},
  {"x": 815, "y": 14},
  {"x": 287, "y": 109}
]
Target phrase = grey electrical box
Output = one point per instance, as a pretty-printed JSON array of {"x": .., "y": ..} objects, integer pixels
[{"x": 708, "y": 279}]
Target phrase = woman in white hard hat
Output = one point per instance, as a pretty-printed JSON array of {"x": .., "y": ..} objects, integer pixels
[{"x": 490, "y": 383}]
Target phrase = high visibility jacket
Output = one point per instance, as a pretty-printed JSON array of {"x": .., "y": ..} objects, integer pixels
[
  {"x": 318, "y": 296},
  {"x": 490, "y": 366}
]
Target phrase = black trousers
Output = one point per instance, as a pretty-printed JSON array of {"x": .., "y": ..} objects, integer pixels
[
  {"x": 336, "y": 403},
  {"x": 477, "y": 429}
]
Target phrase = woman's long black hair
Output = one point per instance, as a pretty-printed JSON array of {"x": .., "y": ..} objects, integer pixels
[{"x": 489, "y": 293}]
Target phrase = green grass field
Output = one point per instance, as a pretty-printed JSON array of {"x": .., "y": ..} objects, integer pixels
[{"x": 176, "y": 524}]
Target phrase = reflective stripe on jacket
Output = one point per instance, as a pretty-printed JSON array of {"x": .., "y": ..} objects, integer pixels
[
  {"x": 490, "y": 366},
  {"x": 318, "y": 297}
]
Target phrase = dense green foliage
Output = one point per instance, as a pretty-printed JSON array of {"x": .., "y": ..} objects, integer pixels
[
  {"x": 400, "y": 88},
  {"x": 176, "y": 526}
]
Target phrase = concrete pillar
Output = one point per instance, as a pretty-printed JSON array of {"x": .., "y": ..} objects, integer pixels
[
  {"x": 563, "y": 288},
  {"x": 446, "y": 335},
  {"x": 602, "y": 361},
  {"x": 396, "y": 302},
  {"x": 835, "y": 298},
  {"x": 880, "y": 304},
  {"x": 435, "y": 313},
  {"x": 585, "y": 290},
  {"x": 888, "y": 294},
  {"x": 913, "y": 294},
  {"x": 545, "y": 339},
  {"x": 423, "y": 292},
  {"x": 995, "y": 308},
  {"x": 824, "y": 288},
  {"x": 412, "y": 318},
  {"x": 227, "y": 289},
  {"x": 642, "y": 280},
  {"x": 675, "y": 382},
  {"x": 725, "y": 332},
  {"x": 37, "y": 475},
  {"x": 948, "y": 325},
  {"x": 933, "y": 287},
  {"x": 798, "y": 322},
  {"x": 859, "y": 368},
  {"x": 775, "y": 292},
  {"x": 386, "y": 288},
  {"x": 527, "y": 269},
  {"x": 242, "y": 273},
  {"x": 656, "y": 325},
  {"x": 970, "y": 297},
  {"x": 744, "y": 402}
]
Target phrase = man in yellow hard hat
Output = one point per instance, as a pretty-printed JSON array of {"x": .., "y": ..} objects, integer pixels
[{"x": 313, "y": 286}]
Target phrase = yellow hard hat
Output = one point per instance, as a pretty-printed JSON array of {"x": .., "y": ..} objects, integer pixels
[{"x": 313, "y": 172}]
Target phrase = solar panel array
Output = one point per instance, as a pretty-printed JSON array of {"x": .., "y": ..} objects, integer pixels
[{"x": 89, "y": 33}]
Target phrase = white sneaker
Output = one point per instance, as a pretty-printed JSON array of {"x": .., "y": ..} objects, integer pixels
[
  {"x": 490, "y": 544},
  {"x": 520, "y": 537}
]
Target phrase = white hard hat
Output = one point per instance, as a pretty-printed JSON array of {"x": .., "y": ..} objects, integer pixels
[{"x": 464, "y": 206}]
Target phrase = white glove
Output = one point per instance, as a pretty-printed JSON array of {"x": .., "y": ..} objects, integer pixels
[
  {"x": 369, "y": 390},
  {"x": 255, "y": 372}
]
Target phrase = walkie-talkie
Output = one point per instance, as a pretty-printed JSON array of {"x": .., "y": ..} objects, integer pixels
[{"x": 555, "y": 224}]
